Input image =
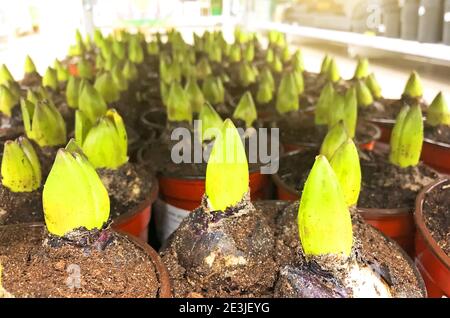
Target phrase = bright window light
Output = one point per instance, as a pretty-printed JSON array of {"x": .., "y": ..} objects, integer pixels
[{"x": 422, "y": 11}]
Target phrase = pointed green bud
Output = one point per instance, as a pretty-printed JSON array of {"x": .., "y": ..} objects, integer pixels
[
  {"x": 335, "y": 137},
  {"x": 285, "y": 55},
  {"x": 287, "y": 97},
  {"x": 110, "y": 63},
  {"x": 203, "y": 69},
  {"x": 351, "y": 112},
  {"x": 98, "y": 37},
  {"x": 270, "y": 56},
  {"x": 297, "y": 61},
  {"x": 135, "y": 51},
  {"x": 62, "y": 73},
  {"x": 213, "y": 90},
  {"x": 324, "y": 104},
  {"x": 82, "y": 127},
  {"x": 363, "y": 94},
  {"x": 326, "y": 62},
  {"x": 439, "y": 112},
  {"x": 407, "y": 137},
  {"x": 130, "y": 71},
  {"x": 79, "y": 40},
  {"x": 105, "y": 143},
  {"x": 88, "y": 42},
  {"x": 50, "y": 79},
  {"x": 21, "y": 169},
  {"x": 178, "y": 106},
  {"x": 362, "y": 69},
  {"x": 227, "y": 177},
  {"x": 324, "y": 221},
  {"x": 5, "y": 75},
  {"x": 215, "y": 54},
  {"x": 118, "y": 48},
  {"x": 413, "y": 87},
  {"x": 246, "y": 110},
  {"x": 265, "y": 93},
  {"x": 333, "y": 72},
  {"x": 106, "y": 86},
  {"x": 247, "y": 74},
  {"x": 235, "y": 53},
  {"x": 72, "y": 92},
  {"x": 299, "y": 81},
  {"x": 119, "y": 80},
  {"x": 84, "y": 69},
  {"x": 153, "y": 48},
  {"x": 195, "y": 95},
  {"x": 74, "y": 196},
  {"x": 43, "y": 93},
  {"x": 33, "y": 97},
  {"x": 43, "y": 123},
  {"x": 211, "y": 122},
  {"x": 29, "y": 66},
  {"x": 249, "y": 53},
  {"x": 7, "y": 101},
  {"x": 337, "y": 111},
  {"x": 346, "y": 166},
  {"x": 90, "y": 102},
  {"x": 277, "y": 65},
  {"x": 267, "y": 78},
  {"x": 99, "y": 62},
  {"x": 373, "y": 85}
]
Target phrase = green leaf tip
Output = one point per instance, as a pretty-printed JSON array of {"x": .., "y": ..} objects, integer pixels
[
  {"x": 74, "y": 196},
  {"x": 29, "y": 66},
  {"x": 364, "y": 95},
  {"x": 407, "y": 137},
  {"x": 235, "y": 55},
  {"x": 325, "y": 65},
  {"x": 90, "y": 102},
  {"x": 439, "y": 112},
  {"x": 213, "y": 90},
  {"x": 374, "y": 86},
  {"x": 265, "y": 93},
  {"x": 135, "y": 51},
  {"x": 346, "y": 166},
  {"x": 203, "y": 69},
  {"x": 324, "y": 104},
  {"x": 7, "y": 100},
  {"x": 43, "y": 123},
  {"x": 335, "y": 137},
  {"x": 247, "y": 74},
  {"x": 211, "y": 122},
  {"x": 178, "y": 105},
  {"x": 227, "y": 176},
  {"x": 106, "y": 142},
  {"x": 5, "y": 75},
  {"x": 20, "y": 169},
  {"x": 50, "y": 79},
  {"x": 62, "y": 73},
  {"x": 85, "y": 69},
  {"x": 324, "y": 220},
  {"x": 362, "y": 70},
  {"x": 195, "y": 95},
  {"x": 413, "y": 87},
  {"x": 333, "y": 73},
  {"x": 72, "y": 91},
  {"x": 287, "y": 97},
  {"x": 107, "y": 88},
  {"x": 130, "y": 71},
  {"x": 246, "y": 110}
]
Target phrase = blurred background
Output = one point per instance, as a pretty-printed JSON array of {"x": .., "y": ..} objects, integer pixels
[{"x": 397, "y": 35}]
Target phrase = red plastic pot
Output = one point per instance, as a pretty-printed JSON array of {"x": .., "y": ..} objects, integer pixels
[
  {"x": 385, "y": 126},
  {"x": 73, "y": 69},
  {"x": 136, "y": 221},
  {"x": 186, "y": 193},
  {"x": 431, "y": 260},
  {"x": 437, "y": 155}
]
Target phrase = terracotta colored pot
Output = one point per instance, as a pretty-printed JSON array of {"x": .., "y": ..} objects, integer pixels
[
  {"x": 73, "y": 69},
  {"x": 437, "y": 155},
  {"x": 385, "y": 126},
  {"x": 136, "y": 221},
  {"x": 431, "y": 260}
]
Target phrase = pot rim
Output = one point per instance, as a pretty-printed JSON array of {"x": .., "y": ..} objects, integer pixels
[
  {"x": 165, "y": 290},
  {"x": 436, "y": 143},
  {"x": 422, "y": 228}
]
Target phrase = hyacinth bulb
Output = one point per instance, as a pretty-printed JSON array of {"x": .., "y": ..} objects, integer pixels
[
  {"x": 413, "y": 87},
  {"x": 7, "y": 100},
  {"x": 105, "y": 143},
  {"x": 335, "y": 137},
  {"x": 246, "y": 110},
  {"x": 439, "y": 112},
  {"x": 72, "y": 91},
  {"x": 29, "y": 66},
  {"x": 43, "y": 123},
  {"x": 50, "y": 79},
  {"x": 324, "y": 220},
  {"x": 195, "y": 95},
  {"x": 287, "y": 98},
  {"x": 227, "y": 176},
  {"x": 90, "y": 102},
  {"x": 74, "y": 196},
  {"x": 178, "y": 106},
  {"x": 211, "y": 122},
  {"x": 20, "y": 169},
  {"x": 107, "y": 88}
]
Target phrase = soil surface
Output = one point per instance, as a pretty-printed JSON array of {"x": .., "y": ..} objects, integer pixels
[
  {"x": 128, "y": 187},
  {"x": 436, "y": 212},
  {"x": 387, "y": 108},
  {"x": 299, "y": 278},
  {"x": 386, "y": 186},
  {"x": 15, "y": 207},
  {"x": 223, "y": 254},
  {"x": 36, "y": 266},
  {"x": 440, "y": 133}
]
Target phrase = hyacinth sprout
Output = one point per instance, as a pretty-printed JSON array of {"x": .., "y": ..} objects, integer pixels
[
  {"x": 195, "y": 95},
  {"x": 439, "y": 112},
  {"x": 246, "y": 110},
  {"x": 407, "y": 137},
  {"x": 72, "y": 91},
  {"x": 362, "y": 69},
  {"x": 213, "y": 90},
  {"x": 90, "y": 102},
  {"x": 324, "y": 104},
  {"x": 130, "y": 71},
  {"x": 325, "y": 65},
  {"x": 43, "y": 123},
  {"x": 374, "y": 86},
  {"x": 247, "y": 74},
  {"x": 413, "y": 87},
  {"x": 8, "y": 100},
  {"x": 211, "y": 122},
  {"x": 335, "y": 137},
  {"x": 324, "y": 221},
  {"x": 135, "y": 50},
  {"x": 74, "y": 197},
  {"x": 85, "y": 69},
  {"x": 21, "y": 169},
  {"x": 287, "y": 98},
  {"x": 29, "y": 66},
  {"x": 363, "y": 94},
  {"x": 50, "y": 79},
  {"x": 5, "y": 75},
  {"x": 178, "y": 105},
  {"x": 105, "y": 143},
  {"x": 107, "y": 88},
  {"x": 227, "y": 176},
  {"x": 333, "y": 73},
  {"x": 62, "y": 73}
]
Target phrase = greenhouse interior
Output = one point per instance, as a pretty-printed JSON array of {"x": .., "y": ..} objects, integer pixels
[{"x": 225, "y": 149}]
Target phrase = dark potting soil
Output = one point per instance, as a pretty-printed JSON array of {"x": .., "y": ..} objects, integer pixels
[
  {"x": 299, "y": 128},
  {"x": 436, "y": 213},
  {"x": 440, "y": 133},
  {"x": 15, "y": 208},
  {"x": 299, "y": 278},
  {"x": 387, "y": 108},
  {"x": 31, "y": 80},
  {"x": 128, "y": 187},
  {"x": 34, "y": 267},
  {"x": 10, "y": 127},
  {"x": 386, "y": 186},
  {"x": 222, "y": 254}
]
